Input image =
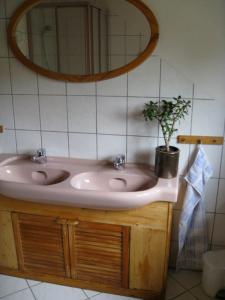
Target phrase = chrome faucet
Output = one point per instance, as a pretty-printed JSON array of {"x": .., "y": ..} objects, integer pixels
[
  {"x": 40, "y": 156},
  {"x": 119, "y": 162}
]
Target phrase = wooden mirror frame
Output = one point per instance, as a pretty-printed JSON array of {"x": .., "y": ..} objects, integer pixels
[{"x": 28, "y": 4}]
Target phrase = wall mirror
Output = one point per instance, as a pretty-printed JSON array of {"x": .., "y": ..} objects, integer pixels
[{"x": 82, "y": 41}]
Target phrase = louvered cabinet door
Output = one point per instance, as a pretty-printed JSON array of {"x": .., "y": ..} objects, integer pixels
[
  {"x": 42, "y": 245},
  {"x": 100, "y": 253}
]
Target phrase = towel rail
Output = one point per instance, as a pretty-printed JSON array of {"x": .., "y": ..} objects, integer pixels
[{"x": 199, "y": 139}]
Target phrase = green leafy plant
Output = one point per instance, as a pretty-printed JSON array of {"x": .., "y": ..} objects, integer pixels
[{"x": 167, "y": 112}]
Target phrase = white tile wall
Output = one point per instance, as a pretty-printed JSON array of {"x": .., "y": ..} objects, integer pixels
[
  {"x": 82, "y": 145},
  {"x": 24, "y": 81},
  {"x": 144, "y": 80},
  {"x": 173, "y": 83},
  {"x": 211, "y": 194},
  {"x": 53, "y": 119},
  {"x": 141, "y": 149},
  {"x": 113, "y": 87},
  {"x": 111, "y": 145},
  {"x": 218, "y": 233},
  {"x": 51, "y": 87},
  {"x": 82, "y": 114},
  {"x": 26, "y": 112},
  {"x": 6, "y": 111},
  {"x": 2, "y": 8},
  {"x": 56, "y": 143},
  {"x": 3, "y": 45},
  {"x": 87, "y": 89},
  {"x": 28, "y": 141},
  {"x": 11, "y": 6},
  {"x": 203, "y": 118},
  {"x": 222, "y": 175},
  {"x": 100, "y": 120},
  {"x": 111, "y": 115},
  {"x": 8, "y": 142},
  {"x": 220, "y": 208},
  {"x": 210, "y": 223},
  {"x": 5, "y": 86}
]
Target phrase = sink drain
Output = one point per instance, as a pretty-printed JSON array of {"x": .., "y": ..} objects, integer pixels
[
  {"x": 39, "y": 176},
  {"x": 118, "y": 183}
]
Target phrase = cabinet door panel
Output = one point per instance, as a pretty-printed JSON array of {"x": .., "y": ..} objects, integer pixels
[
  {"x": 147, "y": 258},
  {"x": 41, "y": 245},
  {"x": 100, "y": 253},
  {"x": 8, "y": 257}
]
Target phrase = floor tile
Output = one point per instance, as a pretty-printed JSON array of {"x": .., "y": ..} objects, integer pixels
[
  {"x": 90, "y": 293},
  {"x": 173, "y": 289},
  {"x": 104, "y": 296},
  {"x": 187, "y": 279},
  {"x": 21, "y": 295},
  {"x": 186, "y": 296},
  {"x": 9, "y": 285},
  {"x": 199, "y": 293},
  {"x": 33, "y": 282},
  {"x": 47, "y": 291}
]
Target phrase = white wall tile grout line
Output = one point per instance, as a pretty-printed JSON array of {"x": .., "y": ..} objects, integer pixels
[
  {"x": 217, "y": 194},
  {"x": 67, "y": 121},
  {"x": 191, "y": 126},
  {"x": 160, "y": 85},
  {"x": 127, "y": 116},
  {"x": 13, "y": 105},
  {"x": 103, "y": 96},
  {"x": 96, "y": 121},
  {"x": 39, "y": 110}
]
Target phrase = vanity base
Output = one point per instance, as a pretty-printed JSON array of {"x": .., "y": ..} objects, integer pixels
[
  {"x": 118, "y": 252},
  {"x": 143, "y": 294}
]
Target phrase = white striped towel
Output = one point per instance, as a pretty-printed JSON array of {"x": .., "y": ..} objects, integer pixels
[{"x": 193, "y": 239}]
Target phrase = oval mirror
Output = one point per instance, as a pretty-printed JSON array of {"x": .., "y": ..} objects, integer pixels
[{"x": 82, "y": 41}]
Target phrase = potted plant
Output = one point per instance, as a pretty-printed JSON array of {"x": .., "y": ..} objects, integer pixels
[{"x": 168, "y": 113}]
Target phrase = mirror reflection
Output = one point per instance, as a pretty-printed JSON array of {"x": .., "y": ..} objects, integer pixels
[{"x": 83, "y": 37}]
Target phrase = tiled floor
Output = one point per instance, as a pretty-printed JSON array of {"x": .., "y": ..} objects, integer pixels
[{"x": 184, "y": 285}]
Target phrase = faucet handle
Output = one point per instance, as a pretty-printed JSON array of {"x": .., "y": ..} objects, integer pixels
[
  {"x": 41, "y": 152},
  {"x": 119, "y": 161},
  {"x": 120, "y": 158}
]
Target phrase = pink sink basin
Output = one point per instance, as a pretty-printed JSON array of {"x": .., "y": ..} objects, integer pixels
[
  {"x": 114, "y": 181},
  {"x": 83, "y": 183},
  {"x": 32, "y": 174}
]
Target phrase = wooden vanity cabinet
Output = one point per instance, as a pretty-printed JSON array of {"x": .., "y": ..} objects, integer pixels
[{"x": 121, "y": 252}]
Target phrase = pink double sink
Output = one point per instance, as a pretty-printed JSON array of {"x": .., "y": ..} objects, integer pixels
[{"x": 83, "y": 183}]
